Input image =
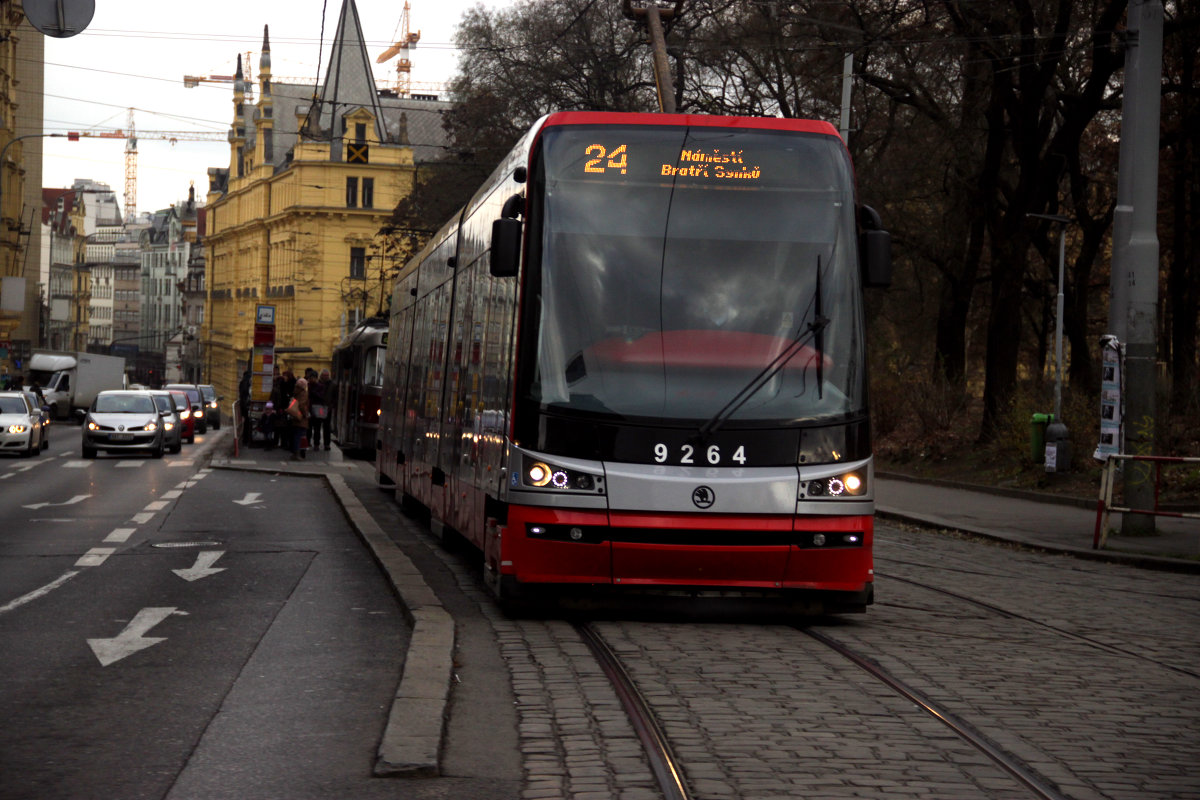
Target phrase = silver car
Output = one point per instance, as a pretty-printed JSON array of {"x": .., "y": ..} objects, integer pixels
[
  {"x": 172, "y": 424},
  {"x": 21, "y": 430},
  {"x": 123, "y": 421}
]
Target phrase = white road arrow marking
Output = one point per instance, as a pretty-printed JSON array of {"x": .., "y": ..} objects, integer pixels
[
  {"x": 76, "y": 499},
  {"x": 203, "y": 566},
  {"x": 132, "y": 638},
  {"x": 250, "y": 499}
]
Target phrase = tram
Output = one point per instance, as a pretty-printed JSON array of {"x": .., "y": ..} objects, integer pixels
[
  {"x": 635, "y": 361},
  {"x": 358, "y": 384}
]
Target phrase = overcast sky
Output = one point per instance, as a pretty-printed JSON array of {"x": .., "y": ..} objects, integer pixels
[{"x": 136, "y": 52}]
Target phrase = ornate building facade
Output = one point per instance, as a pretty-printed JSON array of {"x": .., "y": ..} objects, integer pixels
[{"x": 295, "y": 221}]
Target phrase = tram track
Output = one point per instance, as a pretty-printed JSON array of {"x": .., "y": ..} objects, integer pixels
[
  {"x": 1037, "y": 785},
  {"x": 669, "y": 771},
  {"x": 1076, "y": 637},
  {"x": 663, "y": 763}
]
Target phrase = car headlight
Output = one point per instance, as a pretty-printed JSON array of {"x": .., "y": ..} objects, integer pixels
[
  {"x": 185, "y": 414},
  {"x": 92, "y": 426},
  {"x": 848, "y": 484},
  {"x": 151, "y": 426},
  {"x": 168, "y": 426},
  {"x": 18, "y": 428}
]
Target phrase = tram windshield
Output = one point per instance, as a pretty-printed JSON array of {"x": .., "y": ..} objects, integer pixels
[{"x": 693, "y": 272}]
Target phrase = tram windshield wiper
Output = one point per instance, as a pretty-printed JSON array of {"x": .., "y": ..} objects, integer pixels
[{"x": 812, "y": 331}]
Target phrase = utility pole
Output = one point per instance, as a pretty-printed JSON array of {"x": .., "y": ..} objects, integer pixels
[
  {"x": 653, "y": 16},
  {"x": 1138, "y": 271}
]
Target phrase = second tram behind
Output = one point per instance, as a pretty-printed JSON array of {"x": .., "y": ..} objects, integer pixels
[
  {"x": 636, "y": 360},
  {"x": 358, "y": 383}
]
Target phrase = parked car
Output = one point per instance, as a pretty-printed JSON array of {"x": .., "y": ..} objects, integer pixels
[
  {"x": 172, "y": 424},
  {"x": 184, "y": 406},
  {"x": 20, "y": 424},
  {"x": 212, "y": 406},
  {"x": 199, "y": 417},
  {"x": 44, "y": 416},
  {"x": 121, "y": 421}
]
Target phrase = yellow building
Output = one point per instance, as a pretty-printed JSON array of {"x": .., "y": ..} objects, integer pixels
[
  {"x": 21, "y": 88},
  {"x": 294, "y": 222}
]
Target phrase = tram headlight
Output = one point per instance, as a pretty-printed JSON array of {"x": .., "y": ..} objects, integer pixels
[
  {"x": 545, "y": 475},
  {"x": 849, "y": 484},
  {"x": 538, "y": 474}
]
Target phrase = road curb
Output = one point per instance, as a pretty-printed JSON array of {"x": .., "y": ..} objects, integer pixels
[
  {"x": 412, "y": 739},
  {"x": 411, "y": 745}
]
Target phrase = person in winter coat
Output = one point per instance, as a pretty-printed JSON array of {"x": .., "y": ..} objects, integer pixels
[
  {"x": 298, "y": 413},
  {"x": 320, "y": 400}
]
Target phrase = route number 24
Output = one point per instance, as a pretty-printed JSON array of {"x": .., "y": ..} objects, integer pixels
[
  {"x": 618, "y": 159},
  {"x": 688, "y": 455}
]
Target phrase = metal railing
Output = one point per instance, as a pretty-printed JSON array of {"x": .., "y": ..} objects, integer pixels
[{"x": 1108, "y": 478}]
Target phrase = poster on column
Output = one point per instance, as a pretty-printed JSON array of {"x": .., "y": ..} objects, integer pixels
[{"x": 1110, "y": 400}]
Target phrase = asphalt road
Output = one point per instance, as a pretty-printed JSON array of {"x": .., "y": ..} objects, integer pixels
[{"x": 171, "y": 631}]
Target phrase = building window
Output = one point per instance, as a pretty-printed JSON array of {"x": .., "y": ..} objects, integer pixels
[
  {"x": 351, "y": 192},
  {"x": 368, "y": 192},
  {"x": 358, "y": 262}
]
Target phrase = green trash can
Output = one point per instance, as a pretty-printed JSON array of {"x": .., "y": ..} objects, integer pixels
[{"x": 1037, "y": 437}]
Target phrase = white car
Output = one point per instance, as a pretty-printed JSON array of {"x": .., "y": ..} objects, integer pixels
[
  {"x": 21, "y": 428},
  {"x": 123, "y": 421}
]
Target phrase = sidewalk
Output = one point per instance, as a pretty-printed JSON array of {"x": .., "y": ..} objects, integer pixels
[{"x": 1060, "y": 525}]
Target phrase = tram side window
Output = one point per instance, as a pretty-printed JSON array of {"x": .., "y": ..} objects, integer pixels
[{"x": 373, "y": 363}]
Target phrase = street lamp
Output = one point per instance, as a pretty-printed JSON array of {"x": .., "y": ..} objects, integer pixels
[{"x": 1059, "y": 434}]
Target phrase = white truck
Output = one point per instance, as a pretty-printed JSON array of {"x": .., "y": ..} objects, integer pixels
[{"x": 72, "y": 380}]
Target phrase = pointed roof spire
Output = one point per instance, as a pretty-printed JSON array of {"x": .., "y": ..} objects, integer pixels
[
  {"x": 239, "y": 79},
  {"x": 350, "y": 82},
  {"x": 264, "y": 60}
]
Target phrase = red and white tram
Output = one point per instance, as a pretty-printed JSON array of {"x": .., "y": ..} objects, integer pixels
[{"x": 636, "y": 360}]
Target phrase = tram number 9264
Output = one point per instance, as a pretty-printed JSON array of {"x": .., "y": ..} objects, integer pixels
[{"x": 688, "y": 455}]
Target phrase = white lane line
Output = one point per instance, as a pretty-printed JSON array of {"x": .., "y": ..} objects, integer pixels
[
  {"x": 36, "y": 593},
  {"x": 120, "y": 535},
  {"x": 95, "y": 557},
  {"x": 133, "y": 464},
  {"x": 77, "y": 464},
  {"x": 142, "y": 519},
  {"x": 171, "y": 495},
  {"x": 187, "y": 463},
  {"x": 157, "y": 505}
]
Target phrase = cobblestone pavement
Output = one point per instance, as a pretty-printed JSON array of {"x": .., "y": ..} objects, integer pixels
[{"x": 1087, "y": 672}]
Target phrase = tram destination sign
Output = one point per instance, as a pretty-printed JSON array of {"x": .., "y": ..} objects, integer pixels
[{"x": 715, "y": 164}]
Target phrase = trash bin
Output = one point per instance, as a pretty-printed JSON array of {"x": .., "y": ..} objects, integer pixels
[
  {"x": 1037, "y": 437},
  {"x": 1058, "y": 448}
]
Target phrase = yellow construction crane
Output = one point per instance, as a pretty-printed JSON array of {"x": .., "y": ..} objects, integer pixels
[
  {"x": 405, "y": 41},
  {"x": 130, "y": 135}
]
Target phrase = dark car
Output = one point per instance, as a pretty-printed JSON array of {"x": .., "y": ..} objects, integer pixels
[
  {"x": 120, "y": 421},
  {"x": 199, "y": 409},
  {"x": 43, "y": 418},
  {"x": 212, "y": 406}
]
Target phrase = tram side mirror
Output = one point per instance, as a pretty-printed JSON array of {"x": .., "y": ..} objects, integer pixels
[
  {"x": 506, "y": 247},
  {"x": 874, "y": 250}
]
